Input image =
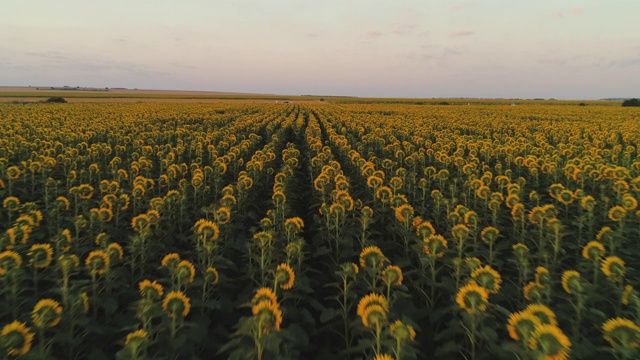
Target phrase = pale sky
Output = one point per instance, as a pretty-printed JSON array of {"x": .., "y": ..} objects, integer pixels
[{"x": 566, "y": 49}]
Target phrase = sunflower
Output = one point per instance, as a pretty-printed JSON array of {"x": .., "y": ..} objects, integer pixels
[
  {"x": 383, "y": 357},
  {"x": 588, "y": 203},
  {"x": 520, "y": 250},
  {"x": 543, "y": 279},
  {"x": 46, "y": 313},
  {"x": 115, "y": 252},
  {"x": 521, "y": 325},
  {"x": 263, "y": 239},
  {"x": 285, "y": 276},
  {"x": 98, "y": 262},
  {"x": 41, "y": 255},
  {"x": 629, "y": 202},
  {"x": 150, "y": 289},
  {"x": 264, "y": 294},
  {"x": 170, "y": 260},
  {"x": 372, "y": 300},
  {"x": 566, "y": 197},
  {"x": 424, "y": 230},
  {"x": 211, "y": 275},
  {"x": 13, "y": 173},
  {"x": 489, "y": 234},
  {"x": 402, "y": 332},
  {"x": 404, "y": 213},
  {"x": 372, "y": 256},
  {"x": 488, "y": 278},
  {"x": 518, "y": 212},
  {"x": 435, "y": 245},
  {"x": 472, "y": 298},
  {"x": 472, "y": 263},
  {"x": 533, "y": 291},
  {"x": 16, "y": 338},
  {"x": 617, "y": 213},
  {"x": 140, "y": 222},
  {"x": 185, "y": 271},
  {"x": 543, "y": 313},
  {"x": 293, "y": 225},
  {"x": 571, "y": 282},
  {"x": 267, "y": 316},
  {"x": 460, "y": 233},
  {"x": 620, "y": 332},
  {"x": 68, "y": 262},
  {"x": 11, "y": 203},
  {"x": 613, "y": 268},
  {"x": 551, "y": 342},
  {"x": 136, "y": 339},
  {"x": 392, "y": 275},
  {"x": 349, "y": 269},
  {"x": 176, "y": 304},
  {"x": 207, "y": 230},
  {"x": 10, "y": 260},
  {"x": 384, "y": 194},
  {"x": 593, "y": 251},
  {"x": 605, "y": 234}
]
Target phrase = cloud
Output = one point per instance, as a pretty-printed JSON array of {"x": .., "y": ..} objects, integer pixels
[
  {"x": 624, "y": 63},
  {"x": 461, "y": 33},
  {"x": 558, "y": 15},
  {"x": 576, "y": 11},
  {"x": 552, "y": 61},
  {"x": 401, "y": 29},
  {"x": 312, "y": 35},
  {"x": 374, "y": 34}
]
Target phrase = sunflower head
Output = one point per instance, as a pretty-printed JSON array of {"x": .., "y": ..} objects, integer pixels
[
  {"x": 392, "y": 275},
  {"x": 10, "y": 260},
  {"x": 489, "y": 234},
  {"x": 185, "y": 272},
  {"x": 402, "y": 332},
  {"x": 543, "y": 278},
  {"x": 472, "y": 298},
  {"x": 136, "y": 340},
  {"x": 46, "y": 313},
  {"x": 424, "y": 230},
  {"x": 151, "y": 290},
  {"x": 472, "y": 263},
  {"x": 435, "y": 245},
  {"x": 372, "y": 256},
  {"x": 171, "y": 260},
  {"x": 543, "y": 313},
  {"x": 571, "y": 282},
  {"x": 11, "y": 204},
  {"x": 285, "y": 276},
  {"x": 176, "y": 304},
  {"x": 16, "y": 338},
  {"x": 521, "y": 325},
  {"x": 488, "y": 278},
  {"x": 617, "y": 213},
  {"x": 551, "y": 342},
  {"x": 593, "y": 251},
  {"x": 373, "y": 309},
  {"x": 267, "y": 316},
  {"x": 620, "y": 332},
  {"x": 264, "y": 294},
  {"x": 98, "y": 262},
  {"x": 613, "y": 268}
]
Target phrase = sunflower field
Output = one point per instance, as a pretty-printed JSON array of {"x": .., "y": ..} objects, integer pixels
[{"x": 314, "y": 231}]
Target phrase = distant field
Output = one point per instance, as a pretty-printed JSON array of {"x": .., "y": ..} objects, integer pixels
[{"x": 35, "y": 94}]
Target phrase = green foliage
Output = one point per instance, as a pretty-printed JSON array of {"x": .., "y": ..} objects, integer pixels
[
  {"x": 631, "y": 102},
  {"x": 56, "y": 99}
]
